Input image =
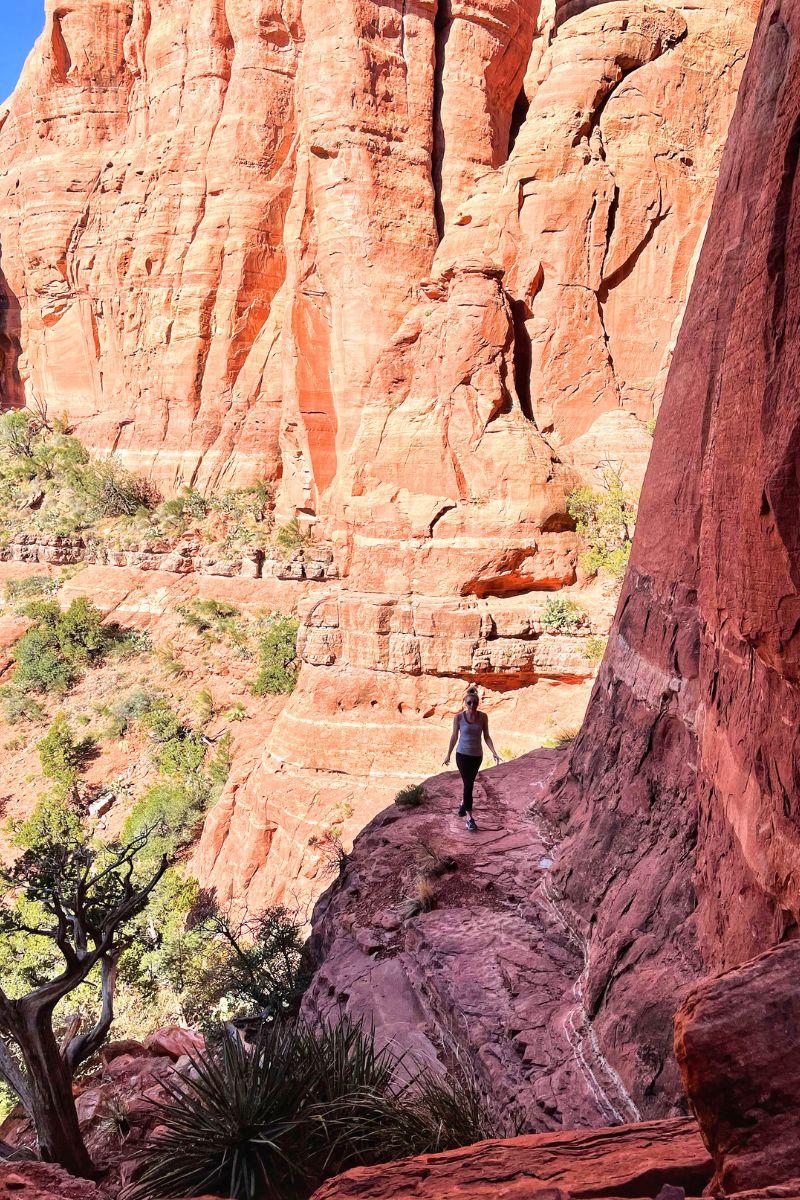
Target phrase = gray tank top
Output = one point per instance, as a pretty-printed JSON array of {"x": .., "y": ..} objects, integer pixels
[{"x": 470, "y": 739}]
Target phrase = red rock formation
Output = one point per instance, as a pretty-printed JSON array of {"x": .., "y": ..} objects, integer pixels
[
  {"x": 41, "y": 1181},
  {"x": 736, "y": 1040},
  {"x": 680, "y": 803},
  {"x": 402, "y": 261},
  {"x": 519, "y": 348},
  {"x": 636, "y": 1161}
]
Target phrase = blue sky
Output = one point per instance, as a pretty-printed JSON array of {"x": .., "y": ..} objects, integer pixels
[{"x": 21, "y": 22}]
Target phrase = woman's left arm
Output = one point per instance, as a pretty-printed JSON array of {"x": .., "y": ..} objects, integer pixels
[{"x": 489, "y": 741}]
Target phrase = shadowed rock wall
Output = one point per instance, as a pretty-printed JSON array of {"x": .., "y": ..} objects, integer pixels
[{"x": 681, "y": 802}]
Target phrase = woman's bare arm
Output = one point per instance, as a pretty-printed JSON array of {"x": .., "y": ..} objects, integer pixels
[
  {"x": 488, "y": 739},
  {"x": 453, "y": 740}
]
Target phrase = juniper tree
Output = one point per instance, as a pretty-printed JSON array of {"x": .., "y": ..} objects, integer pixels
[{"x": 78, "y": 899}]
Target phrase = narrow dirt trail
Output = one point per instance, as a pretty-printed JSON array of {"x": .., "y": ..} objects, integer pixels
[{"x": 493, "y": 972}]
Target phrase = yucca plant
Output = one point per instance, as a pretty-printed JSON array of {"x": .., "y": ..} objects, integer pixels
[
  {"x": 273, "y": 1120},
  {"x": 226, "y": 1126}
]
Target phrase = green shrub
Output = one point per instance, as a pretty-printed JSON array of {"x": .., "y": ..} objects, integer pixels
[
  {"x": 561, "y": 615},
  {"x": 594, "y": 649},
  {"x": 173, "y": 809},
  {"x": 182, "y": 756},
  {"x": 162, "y": 721},
  {"x": 59, "y": 644},
  {"x": 208, "y": 615},
  {"x": 291, "y": 537},
  {"x": 277, "y": 653},
  {"x": 410, "y": 797},
  {"x": 33, "y": 587},
  {"x": 62, "y": 756},
  {"x": 277, "y": 1118},
  {"x": 605, "y": 520}
]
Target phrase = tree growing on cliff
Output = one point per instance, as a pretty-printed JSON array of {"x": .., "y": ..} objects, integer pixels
[
  {"x": 605, "y": 519},
  {"x": 77, "y": 900}
]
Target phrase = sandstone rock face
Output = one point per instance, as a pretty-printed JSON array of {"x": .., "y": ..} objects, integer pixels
[
  {"x": 688, "y": 764},
  {"x": 736, "y": 1039},
  {"x": 639, "y": 1160},
  {"x": 532, "y": 352},
  {"x": 420, "y": 266}
]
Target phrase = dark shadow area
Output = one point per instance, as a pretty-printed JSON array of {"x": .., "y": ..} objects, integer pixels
[
  {"x": 518, "y": 115},
  {"x": 11, "y": 390},
  {"x": 442, "y": 27}
]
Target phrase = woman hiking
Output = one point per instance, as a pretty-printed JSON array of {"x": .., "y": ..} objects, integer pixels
[{"x": 470, "y": 727}]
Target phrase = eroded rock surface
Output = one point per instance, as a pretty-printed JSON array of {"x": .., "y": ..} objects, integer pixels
[
  {"x": 636, "y": 1161},
  {"x": 421, "y": 267},
  {"x": 736, "y": 1039},
  {"x": 496, "y": 968}
]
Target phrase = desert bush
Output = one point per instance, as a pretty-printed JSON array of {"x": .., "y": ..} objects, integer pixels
[
  {"x": 32, "y": 587},
  {"x": 410, "y": 797},
  {"x": 594, "y": 649},
  {"x": 204, "y": 709},
  {"x": 291, "y": 537},
  {"x": 59, "y": 644},
  {"x": 333, "y": 857},
  {"x": 261, "y": 970},
  {"x": 174, "y": 809},
  {"x": 277, "y": 1118},
  {"x": 61, "y": 754},
  {"x": 213, "y": 617},
  {"x": 561, "y": 738},
  {"x": 561, "y": 615},
  {"x": 605, "y": 520},
  {"x": 277, "y": 657},
  {"x": 115, "y": 491},
  {"x": 19, "y": 705}
]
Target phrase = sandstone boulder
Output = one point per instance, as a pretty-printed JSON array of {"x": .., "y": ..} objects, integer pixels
[{"x": 737, "y": 1038}]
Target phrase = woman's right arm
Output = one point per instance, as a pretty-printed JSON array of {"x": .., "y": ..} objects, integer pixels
[{"x": 453, "y": 740}]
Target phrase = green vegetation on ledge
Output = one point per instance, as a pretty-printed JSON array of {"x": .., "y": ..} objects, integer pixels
[{"x": 605, "y": 520}]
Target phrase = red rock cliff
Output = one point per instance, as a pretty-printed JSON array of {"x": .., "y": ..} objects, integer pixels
[{"x": 680, "y": 804}]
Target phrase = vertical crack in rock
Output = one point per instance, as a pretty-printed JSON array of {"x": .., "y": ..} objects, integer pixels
[{"x": 442, "y": 26}]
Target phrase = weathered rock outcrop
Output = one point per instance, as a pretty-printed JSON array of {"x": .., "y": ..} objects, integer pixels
[
  {"x": 688, "y": 763},
  {"x": 639, "y": 1160},
  {"x": 736, "y": 1038}
]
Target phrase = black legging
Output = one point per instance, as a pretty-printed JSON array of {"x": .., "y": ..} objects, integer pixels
[{"x": 468, "y": 767}]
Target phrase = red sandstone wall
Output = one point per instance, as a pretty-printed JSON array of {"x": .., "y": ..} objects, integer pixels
[{"x": 681, "y": 797}]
